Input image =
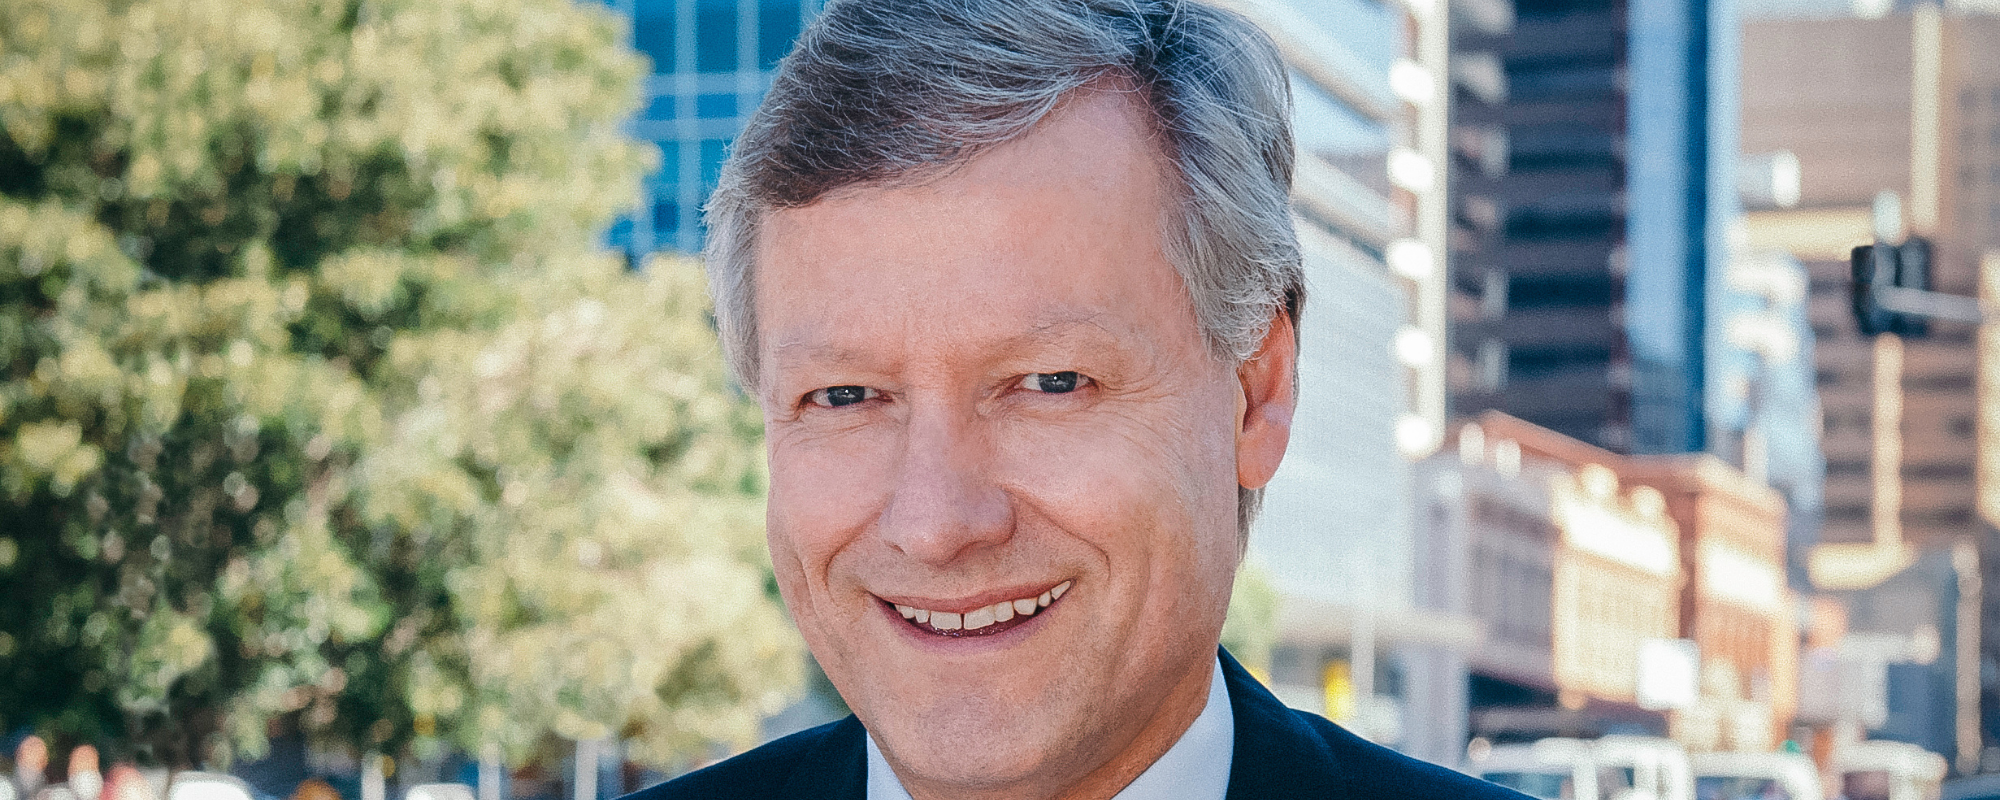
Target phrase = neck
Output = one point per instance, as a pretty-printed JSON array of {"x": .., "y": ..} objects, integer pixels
[{"x": 1150, "y": 739}]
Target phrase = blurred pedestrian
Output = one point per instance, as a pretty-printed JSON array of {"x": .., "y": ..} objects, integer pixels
[
  {"x": 125, "y": 782},
  {"x": 84, "y": 780},
  {"x": 31, "y": 766},
  {"x": 312, "y": 789}
]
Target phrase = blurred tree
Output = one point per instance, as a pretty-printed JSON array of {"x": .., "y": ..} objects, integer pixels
[
  {"x": 1251, "y": 629},
  {"x": 317, "y": 400}
]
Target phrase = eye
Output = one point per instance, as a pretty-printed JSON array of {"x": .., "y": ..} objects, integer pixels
[
  {"x": 837, "y": 396},
  {"x": 1054, "y": 382}
]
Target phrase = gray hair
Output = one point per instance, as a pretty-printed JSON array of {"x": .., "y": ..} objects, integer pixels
[{"x": 886, "y": 92}]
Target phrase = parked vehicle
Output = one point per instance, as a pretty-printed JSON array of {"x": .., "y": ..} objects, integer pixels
[
  {"x": 1551, "y": 769},
  {"x": 1755, "y": 776},
  {"x": 1977, "y": 787},
  {"x": 1876, "y": 770},
  {"x": 1643, "y": 768},
  {"x": 1611, "y": 768},
  {"x": 207, "y": 786},
  {"x": 438, "y": 791}
]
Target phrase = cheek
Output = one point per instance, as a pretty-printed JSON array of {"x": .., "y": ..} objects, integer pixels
[
  {"x": 823, "y": 494},
  {"x": 1131, "y": 475}
]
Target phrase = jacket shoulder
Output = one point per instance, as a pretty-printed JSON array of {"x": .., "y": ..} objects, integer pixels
[
  {"x": 1283, "y": 753},
  {"x": 829, "y": 757},
  {"x": 1372, "y": 770}
]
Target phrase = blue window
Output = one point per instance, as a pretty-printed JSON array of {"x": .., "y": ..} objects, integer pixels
[
  {"x": 620, "y": 235},
  {"x": 1570, "y": 78},
  {"x": 715, "y": 106},
  {"x": 1326, "y": 126},
  {"x": 777, "y": 26},
  {"x": 654, "y": 33},
  {"x": 1559, "y": 291},
  {"x": 1550, "y": 224},
  {"x": 715, "y": 36},
  {"x": 1557, "y": 362},
  {"x": 660, "y": 108},
  {"x": 670, "y": 165},
  {"x": 1560, "y": 146},
  {"x": 666, "y": 219}
]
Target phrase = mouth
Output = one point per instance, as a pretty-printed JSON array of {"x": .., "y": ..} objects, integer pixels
[{"x": 984, "y": 620}]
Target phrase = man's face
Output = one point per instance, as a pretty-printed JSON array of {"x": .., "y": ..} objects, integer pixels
[{"x": 1004, "y": 465}]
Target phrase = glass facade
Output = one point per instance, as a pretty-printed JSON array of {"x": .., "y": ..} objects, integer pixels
[
  {"x": 1680, "y": 198},
  {"x": 1316, "y": 543},
  {"x": 712, "y": 62}
]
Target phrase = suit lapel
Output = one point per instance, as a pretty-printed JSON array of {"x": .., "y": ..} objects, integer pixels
[
  {"x": 835, "y": 768},
  {"x": 1276, "y": 755}
]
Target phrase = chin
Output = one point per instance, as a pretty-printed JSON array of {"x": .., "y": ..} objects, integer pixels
[{"x": 978, "y": 741}]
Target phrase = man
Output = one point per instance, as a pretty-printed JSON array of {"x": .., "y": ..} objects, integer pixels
[{"x": 1016, "y": 286}]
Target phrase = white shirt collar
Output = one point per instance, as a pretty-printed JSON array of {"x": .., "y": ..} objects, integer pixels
[{"x": 1195, "y": 768}]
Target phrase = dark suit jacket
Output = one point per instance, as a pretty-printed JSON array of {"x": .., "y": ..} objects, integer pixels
[{"x": 1280, "y": 753}]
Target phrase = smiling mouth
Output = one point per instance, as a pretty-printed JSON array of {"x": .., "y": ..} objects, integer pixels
[{"x": 984, "y": 621}]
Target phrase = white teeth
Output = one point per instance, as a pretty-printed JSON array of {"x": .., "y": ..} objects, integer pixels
[{"x": 977, "y": 618}]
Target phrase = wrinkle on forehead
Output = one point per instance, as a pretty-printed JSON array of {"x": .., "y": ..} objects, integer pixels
[{"x": 1053, "y": 328}]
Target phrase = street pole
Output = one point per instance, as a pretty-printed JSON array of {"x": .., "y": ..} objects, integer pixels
[
  {"x": 374, "y": 785},
  {"x": 586, "y": 769},
  {"x": 1965, "y": 559},
  {"x": 489, "y": 772}
]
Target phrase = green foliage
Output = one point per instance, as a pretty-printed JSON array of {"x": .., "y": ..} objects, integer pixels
[
  {"x": 317, "y": 402},
  {"x": 1251, "y": 629}
]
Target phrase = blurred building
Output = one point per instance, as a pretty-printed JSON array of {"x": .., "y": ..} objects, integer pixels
[
  {"x": 1566, "y": 573},
  {"x": 1593, "y": 149},
  {"x": 1736, "y": 605},
  {"x": 1763, "y": 403},
  {"x": 1367, "y": 83},
  {"x": 1902, "y": 104},
  {"x": 1614, "y": 594},
  {"x": 712, "y": 62},
  {"x": 1894, "y": 122}
]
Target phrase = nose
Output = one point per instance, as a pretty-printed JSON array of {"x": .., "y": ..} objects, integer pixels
[{"x": 946, "y": 505}]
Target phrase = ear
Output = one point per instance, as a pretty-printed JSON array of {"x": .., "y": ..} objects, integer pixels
[{"x": 1264, "y": 407}]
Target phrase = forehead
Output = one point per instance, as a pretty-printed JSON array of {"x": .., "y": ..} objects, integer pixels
[{"x": 1056, "y": 232}]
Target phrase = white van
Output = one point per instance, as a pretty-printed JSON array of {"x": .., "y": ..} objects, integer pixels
[
  {"x": 1550, "y": 769},
  {"x": 1643, "y": 768},
  {"x": 1756, "y": 776},
  {"x": 1611, "y": 768}
]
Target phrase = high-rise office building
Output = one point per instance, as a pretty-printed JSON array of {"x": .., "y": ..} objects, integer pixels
[
  {"x": 712, "y": 62},
  {"x": 1900, "y": 112},
  {"x": 1334, "y": 538},
  {"x": 1763, "y": 403},
  {"x": 1372, "y": 86},
  {"x": 1593, "y": 150},
  {"x": 1894, "y": 120}
]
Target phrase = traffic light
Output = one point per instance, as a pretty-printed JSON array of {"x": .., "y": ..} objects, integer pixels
[
  {"x": 1913, "y": 271},
  {"x": 1906, "y": 266},
  {"x": 1874, "y": 265}
]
